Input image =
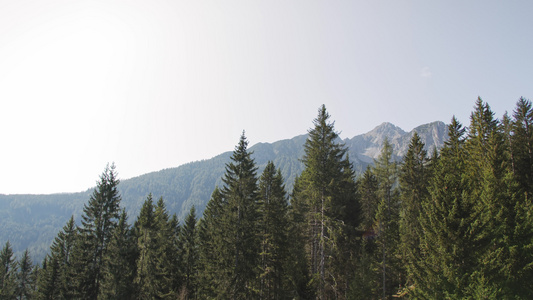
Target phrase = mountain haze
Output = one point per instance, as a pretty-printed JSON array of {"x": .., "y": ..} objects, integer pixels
[{"x": 32, "y": 221}]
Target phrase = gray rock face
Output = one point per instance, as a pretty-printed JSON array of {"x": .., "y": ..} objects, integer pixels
[{"x": 367, "y": 147}]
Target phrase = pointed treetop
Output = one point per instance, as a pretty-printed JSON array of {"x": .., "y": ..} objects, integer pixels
[
  {"x": 455, "y": 131},
  {"x": 322, "y": 119},
  {"x": 482, "y": 121}
]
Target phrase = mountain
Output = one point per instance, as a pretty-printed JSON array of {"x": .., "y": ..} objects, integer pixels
[
  {"x": 32, "y": 221},
  {"x": 367, "y": 147}
]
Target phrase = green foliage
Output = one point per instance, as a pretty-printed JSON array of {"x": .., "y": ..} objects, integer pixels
[
  {"x": 240, "y": 214},
  {"x": 211, "y": 236},
  {"x": 189, "y": 241},
  {"x": 328, "y": 189},
  {"x": 32, "y": 221},
  {"x": 99, "y": 219},
  {"x": 387, "y": 219},
  {"x": 25, "y": 277},
  {"x": 456, "y": 225},
  {"x": 146, "y": 276},
  {"x": 118, "y": 264},
  {"x": 55, "y": 276},
  {"x": 8, "y": 273},
  {"x": 414, "y": 179},
  {"x": 273, "y": 209}
]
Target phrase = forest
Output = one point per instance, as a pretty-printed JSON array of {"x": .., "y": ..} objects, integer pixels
[{"x": 453, "y": 224}]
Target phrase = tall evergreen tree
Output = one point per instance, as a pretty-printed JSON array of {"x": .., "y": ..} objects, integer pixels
[
  {"x": 56, "y": 274},
  {"x": 450, "y": 225},
  {"x": 47, "y": 280},
  {"x": 241, "y": 214},
  {"x": 506, "y": 213},
  {"x": 212, "y": 281},
  {"x": 8, "y": 273},
  {"x": 414, "y": 179},
  {"x": 25, "y": 277},
  {"x": 189, "y": 242},
  {"x": 274, "y": 226},
  {"x": 146, "y": 278},
  {"x": 168, "y": 252},
  {"x": 519, "y": 269},
  {"x": 368, "y": 270},
  {"x": 297, "y": 264},
  {"x": 119, "y": 264},
  {"x": 323, "y": 186},
  {"x": 99, "y": 219},
  {"x": 368, "y": 195},
  {"x": 522, "y": 146},
  {"x": 387, "y": 218}
]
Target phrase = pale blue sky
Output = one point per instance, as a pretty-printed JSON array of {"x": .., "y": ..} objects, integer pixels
[{"x": 155, "y": 84}]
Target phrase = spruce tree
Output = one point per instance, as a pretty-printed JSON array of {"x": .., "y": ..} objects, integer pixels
[
  {"x": 99, "y": 219},
  {"x": 146, "y": 278},
  {"x": 47, "y": 280},
  {"x": 450, "y": 225},
  {"x": 240, "y": 214},
  {"x": 323, "y": 185},
  {"x": 8, "y": 273},
  {"x": 274, "y": 239},
  {"x": 367, "y": 281},
  {"x": 119, "y": 264},
  {"x": 413, "y": 179},
  {"x": 168, "y": 252},
  {"x": 212, "y": 281},
  {"x": 25, "y": 277},
  {"x": 56, "y": 274},
  {"x": 522, "y": 146},
  {"x": 368, "y": 186},
  {"x": 387, "y": 218},
  {"x": 297, "y": 265},
  {"x": 507, "y": 210},
  {"x": 189, "y": 242}
]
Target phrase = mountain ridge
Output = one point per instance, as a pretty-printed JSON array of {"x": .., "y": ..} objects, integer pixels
[{"x": 32, "y": 221}]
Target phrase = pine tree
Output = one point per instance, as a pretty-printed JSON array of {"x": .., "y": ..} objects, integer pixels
[
  {"x": 344, "y": 235},
  {"x": 274, "y": 225},
  {"x": 387, "y": 218},
  {"x": 414, "y": 179},
  {"x": 368, "y": 270},
  {"x": 240, "y": 215},
  {"x": 100, "y": 217},
  {"x": 368, "y": 186},
  {"x": 522, "y": 146},
  {"x": 146, "y": 278},
  {"x": 326, "y": 184},
  {"x": 25, "y": 277},
  {"x": 450, "y": 224},
  {"x": 8, "y": 273},
  {"x": 47, "y": 280},
  {"x": 507, "y": 261},
  {"x": 119, "y": 264},
  {"x": 297, "y": 264},
  {"x": 189, "y": 242},
  {"x": 55, "y": 275},
  {"x": 212, "y": 281},
  {"x": 167, "y": 252}
]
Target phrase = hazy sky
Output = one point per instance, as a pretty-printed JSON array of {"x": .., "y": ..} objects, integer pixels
[{"x": 155, "y": 84}]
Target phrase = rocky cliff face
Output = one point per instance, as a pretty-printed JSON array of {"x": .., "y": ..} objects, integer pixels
[{"x": 367, "y": 147}]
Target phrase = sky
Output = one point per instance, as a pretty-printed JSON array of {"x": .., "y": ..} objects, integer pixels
[{"x": 155, "y": 84}]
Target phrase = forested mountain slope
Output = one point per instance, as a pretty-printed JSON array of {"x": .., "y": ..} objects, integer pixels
[{"x": 32, "y": 221}]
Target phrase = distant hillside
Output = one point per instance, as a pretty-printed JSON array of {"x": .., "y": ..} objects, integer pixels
[{"x": 32, "y": 221}]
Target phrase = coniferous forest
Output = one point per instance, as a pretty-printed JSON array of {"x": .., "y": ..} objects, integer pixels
[{"x": 453, "y": 224}]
